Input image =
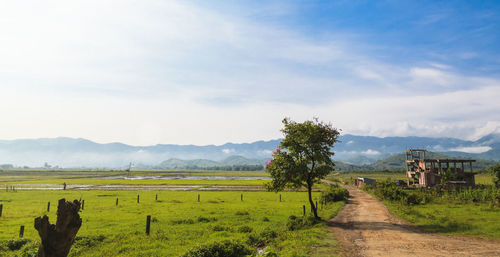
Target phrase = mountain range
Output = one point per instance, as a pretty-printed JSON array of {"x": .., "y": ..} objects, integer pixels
[{"x": 351, "y": 150}]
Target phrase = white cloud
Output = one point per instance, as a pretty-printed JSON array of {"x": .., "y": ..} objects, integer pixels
[
  {"x": 371, "y": 152},
  {"x": 228, "y": 151},
  {"x": 471, "y": 149},
  {"x": 174, "y": 72}
]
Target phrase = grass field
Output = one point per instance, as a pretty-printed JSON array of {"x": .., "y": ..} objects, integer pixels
[
  {"x": 451, "y": 217},
  {"x": 180, "y": 222}
]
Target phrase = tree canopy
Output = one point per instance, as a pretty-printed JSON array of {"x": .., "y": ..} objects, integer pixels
[{"x": 303, "y": 157}]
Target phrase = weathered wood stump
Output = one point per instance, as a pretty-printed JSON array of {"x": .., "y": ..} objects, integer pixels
[{"x": 57, "y": 239}]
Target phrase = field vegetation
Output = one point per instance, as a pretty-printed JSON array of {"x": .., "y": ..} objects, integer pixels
[
  {"x": 461, "y": 211},
  {"x": 180, "y": 224}
]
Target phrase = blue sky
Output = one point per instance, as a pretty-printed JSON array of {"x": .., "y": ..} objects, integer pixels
[{"x": 210, "y": 72}]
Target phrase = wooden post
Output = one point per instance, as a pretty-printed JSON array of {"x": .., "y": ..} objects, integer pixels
[
  {"x": 116, "y": 204},
  {"x": 1, "y": 208},
  {"x": 137, "y": 198},
  {"x": 48, "y": 206},
  {"x": 198, "y": 197},
  {"x": 83, "y": 204},
  {"x": 148, "y": 224},
  {"x": 241, "y": 197},
  {"x": 156, "y": 198},
  {"x": 303, "y": 210},
  {"x": 21, "y": 232},
  {"x": 280, "y": 197}
]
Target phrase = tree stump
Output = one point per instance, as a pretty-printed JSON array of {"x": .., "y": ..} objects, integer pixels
[{"x": 57, "y": 239}]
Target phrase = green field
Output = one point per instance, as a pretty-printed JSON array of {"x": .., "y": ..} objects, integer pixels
[
  {"x": 180, "y": 222},
  {"x": 451, "y": 217}
]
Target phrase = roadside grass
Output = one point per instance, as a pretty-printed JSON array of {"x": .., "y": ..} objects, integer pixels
[
  {"x": 179, "y": 221},
  {"x": 466, "y": 211},
  {"x": 481, "y": 179},
  {"x": 451, "y": 217}
]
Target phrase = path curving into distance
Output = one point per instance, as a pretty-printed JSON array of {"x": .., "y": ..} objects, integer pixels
[{"x": 366, "y": 228}]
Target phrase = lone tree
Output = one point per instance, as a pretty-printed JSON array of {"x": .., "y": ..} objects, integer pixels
[{"x": 303, "y": 157}]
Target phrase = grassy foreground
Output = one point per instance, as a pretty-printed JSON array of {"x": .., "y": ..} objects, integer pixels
[{"x": 179, "y": 222}]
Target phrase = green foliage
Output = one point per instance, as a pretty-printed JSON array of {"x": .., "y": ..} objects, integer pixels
[
  {"x": 495, "y": 170},
  {"x": 16, "y": 244},
  {"x": 334, "y": 193},
  {"x": 296, "y": 223},
  {"x": 259, "y": 240},
  {"x": 387, "y": 190},
  {"x": 304, "y": 156},
  {"x": 447, "y": 176},
  {"x": 206, "y": 220},
  {"x": 220, "y": 249},
  {"x": 245, "y": 229}
]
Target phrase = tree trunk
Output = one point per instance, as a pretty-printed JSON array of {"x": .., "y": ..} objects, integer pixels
[
  {"x": 57, "y": 239},
  {"x": 313, "y": 207}
]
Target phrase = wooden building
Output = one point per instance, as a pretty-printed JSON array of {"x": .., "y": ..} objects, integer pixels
[{"x": 423, "y": 172}]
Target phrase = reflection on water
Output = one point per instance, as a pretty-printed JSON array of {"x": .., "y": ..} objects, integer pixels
[{"x": 186, "y": 177}]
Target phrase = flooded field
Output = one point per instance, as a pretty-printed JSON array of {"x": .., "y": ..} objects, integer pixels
[{"x": 186, "y": 177}]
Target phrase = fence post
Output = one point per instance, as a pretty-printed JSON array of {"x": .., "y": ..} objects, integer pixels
[
  {"x": 148, "y": 224},
  {"x": 241, "y": 197},
  {"x": 303, "y": 210},
  {"x": 137, "y": 198},
  {"x": 156, "y": 198},
  {"x": 1, "y": 208},
  {"x": 280, "y": 197},
  {"x": 21, "y": 232},
  {"x": 198, "y": 197},
  {"x": 116, "y": 202},
  {"x": 83, "y": 204},
  {"x": 48, "y": 206}
]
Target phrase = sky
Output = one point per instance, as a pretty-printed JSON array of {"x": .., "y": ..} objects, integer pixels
[{"x": 210, "y": 72}]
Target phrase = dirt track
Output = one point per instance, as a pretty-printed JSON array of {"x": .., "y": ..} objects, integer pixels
[{"x": 366, "y": 228}]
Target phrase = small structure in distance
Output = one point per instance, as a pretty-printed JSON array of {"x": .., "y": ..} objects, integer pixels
[
  {"x": 422, "y": 172},
  {"x": 360, "y": 181}
]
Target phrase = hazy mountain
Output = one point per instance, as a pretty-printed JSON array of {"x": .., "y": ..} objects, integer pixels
[
  {"x": 354, "y": 150},
  {"x": 397, "y": 163}
]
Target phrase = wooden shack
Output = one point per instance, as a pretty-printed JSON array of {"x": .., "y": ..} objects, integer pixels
[{"x": 423, "y": 172}]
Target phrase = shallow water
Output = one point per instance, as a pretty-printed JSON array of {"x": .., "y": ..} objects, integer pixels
[{"x": 181, "y": 177}]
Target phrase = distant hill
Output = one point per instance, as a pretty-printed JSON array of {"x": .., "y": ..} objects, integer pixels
[
  {"x": 230, "y": 163},
  {"x": 352, "y": 150},
  {"x": 397, "y": 162}
]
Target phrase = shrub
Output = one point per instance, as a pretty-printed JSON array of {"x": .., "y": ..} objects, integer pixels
[
  {"x": 205, "y": 220},
  {"x": 16, "y": 244},
  {"x": 296, "y": 223},
  {"x": 245, "y": 229},
  {"x": 218, "y": 228},
  {"x": 242, "y": 213},
  {"x": 183, "y": 221},
  {"x": 220, "y": 249},
  {"x": 261, "y": 239},
  {"x": 334, "y": 193},
  {"x": 495, "y": 170}
]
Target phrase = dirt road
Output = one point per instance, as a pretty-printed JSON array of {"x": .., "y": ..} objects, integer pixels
[{"x": 366, "y": 228}]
